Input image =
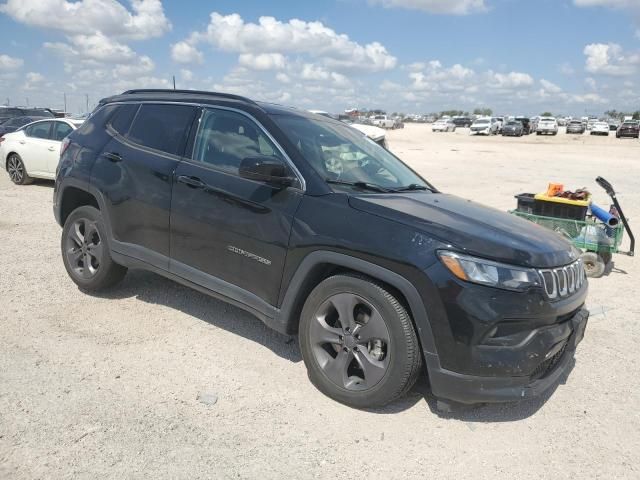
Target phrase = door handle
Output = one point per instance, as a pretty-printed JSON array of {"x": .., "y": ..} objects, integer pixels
[
  {"x": 22, "y": 142},
  {"x": 193, "y": 182},
  {"x": 112, "y": 156},
  {"x": 51, "y": 149}
]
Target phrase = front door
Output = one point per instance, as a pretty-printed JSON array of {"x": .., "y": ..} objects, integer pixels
[{"x": 229, "y": 233}]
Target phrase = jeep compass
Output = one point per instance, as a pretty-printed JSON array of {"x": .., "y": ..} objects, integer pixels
[{"x": 318, "y": 231}]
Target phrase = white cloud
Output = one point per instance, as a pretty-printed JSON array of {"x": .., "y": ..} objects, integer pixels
[
  {"x": 230, "y": 33},
  {"x": 550, "y": 87},
  {"x": 607, "y": 3},
  {"x": 186, "y": 74},
  {"x": 263, "y": 61},
  {"x": 183, "y": 52},
  {"x": 8, "y": 63},
  {"x": 610, "y": 59},
  {"x": 509, "y": 80},
  {"x": 145, "y": 20},
  {"x": 34, "y": 81},
  {"x": 450, "y": 7},
  {"x": 591, "y": 83}
]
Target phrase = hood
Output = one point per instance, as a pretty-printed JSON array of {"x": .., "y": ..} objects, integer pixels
[
  {"x": 374, "y": 133},
  {"x": 471, "y": 227}
]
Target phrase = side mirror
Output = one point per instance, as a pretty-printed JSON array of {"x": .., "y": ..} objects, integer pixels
[{"x": 266, "y": 169}]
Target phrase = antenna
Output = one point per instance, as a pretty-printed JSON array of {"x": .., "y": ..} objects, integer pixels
[{"x": 174, "y": 82}]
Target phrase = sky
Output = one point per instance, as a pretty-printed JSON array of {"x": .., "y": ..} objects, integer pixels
[{"x": 570, "y": 57}]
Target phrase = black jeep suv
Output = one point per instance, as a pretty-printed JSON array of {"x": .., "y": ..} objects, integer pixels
[{"x": 316, "y": 230}]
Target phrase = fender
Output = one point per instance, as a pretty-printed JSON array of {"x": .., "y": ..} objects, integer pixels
[{"x": 284, "y": 316}]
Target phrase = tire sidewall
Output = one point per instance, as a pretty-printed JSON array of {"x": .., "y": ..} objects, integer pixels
[
  {"x": 92, "y": 214},
  {"x": 25, "y": 175},
  {"x": 397, "y": 350}
]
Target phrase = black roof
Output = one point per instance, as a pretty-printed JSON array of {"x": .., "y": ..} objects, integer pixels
[{"x": 205, "y": 97}]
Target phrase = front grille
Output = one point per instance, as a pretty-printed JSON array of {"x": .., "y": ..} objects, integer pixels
[
  {"x": 548, "y": 365},
  {"x": 563, "y": 281}
]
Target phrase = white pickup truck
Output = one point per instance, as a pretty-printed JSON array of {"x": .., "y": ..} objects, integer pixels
[{"x": 383, "y": 121}]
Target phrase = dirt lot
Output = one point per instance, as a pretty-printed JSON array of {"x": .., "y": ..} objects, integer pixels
[{"x": 107, "y": 387}]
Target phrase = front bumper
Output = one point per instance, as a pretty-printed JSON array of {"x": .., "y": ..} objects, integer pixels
[{"x": 470, "y": 389}]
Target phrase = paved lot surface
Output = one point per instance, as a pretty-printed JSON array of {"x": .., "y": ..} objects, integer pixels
[{"x": 108, "y": 387}]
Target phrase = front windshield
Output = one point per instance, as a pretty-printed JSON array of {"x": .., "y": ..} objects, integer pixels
[
  {"x": 482, "y": 122},
  {"x": 341, "y": 153}
]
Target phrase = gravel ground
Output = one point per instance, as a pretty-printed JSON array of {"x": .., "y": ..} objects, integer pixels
[{"x": 156, "y": 380}]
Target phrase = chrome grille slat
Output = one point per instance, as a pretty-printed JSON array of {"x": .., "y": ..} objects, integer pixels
[{"x": 562, "y": 281}]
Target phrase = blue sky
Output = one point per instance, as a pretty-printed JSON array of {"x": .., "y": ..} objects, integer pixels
[{"x": 516, "y": 56}]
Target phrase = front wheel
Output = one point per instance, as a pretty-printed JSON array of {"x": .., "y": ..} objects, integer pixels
[
  {"x": 85, "y": 252},
  {"x": 358, "y": 342},
  {"x": 17, "y": 171}
]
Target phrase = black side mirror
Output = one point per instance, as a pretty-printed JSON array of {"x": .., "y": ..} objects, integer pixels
[{"x": 266, "y": 169}]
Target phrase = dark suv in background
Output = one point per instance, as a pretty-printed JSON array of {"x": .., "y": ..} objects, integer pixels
[{"x": 316, "y": 230}]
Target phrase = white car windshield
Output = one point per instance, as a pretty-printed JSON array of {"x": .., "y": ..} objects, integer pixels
[{"x": 482, "y": 122}]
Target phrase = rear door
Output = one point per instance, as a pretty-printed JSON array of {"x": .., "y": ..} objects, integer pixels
[
  {"x": 228, "y": 231},
  {"x": 134, "y": 173},
  {"x": 34, "y": 149}
]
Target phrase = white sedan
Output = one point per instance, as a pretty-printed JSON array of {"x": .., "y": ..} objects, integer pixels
[
  {"x": 33, "y": 151},
  {"x": 600, "y": 128},
  {"x": 444, "y": 125}
]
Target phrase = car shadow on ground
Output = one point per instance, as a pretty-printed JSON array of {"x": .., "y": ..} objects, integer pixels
[
  {"x": 151, "y": 288},
  {"x": 155, "y": 289},
  {"x": 470, "y": 414}
]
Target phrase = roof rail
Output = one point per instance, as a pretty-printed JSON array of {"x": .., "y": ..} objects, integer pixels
[{"x": 194, "y": 92}]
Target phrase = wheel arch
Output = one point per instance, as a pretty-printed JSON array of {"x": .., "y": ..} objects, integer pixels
[
  {"x": 321, "y": 264},
  {"x": 73, "y": 197}
]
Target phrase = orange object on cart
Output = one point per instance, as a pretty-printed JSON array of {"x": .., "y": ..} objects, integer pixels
[{"x": 554, "y": 189}]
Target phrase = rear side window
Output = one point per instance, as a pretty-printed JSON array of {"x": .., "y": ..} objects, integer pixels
[
  {"x": 39, "y": 130},
  {"x": 162, "y": 127},
  {"x": 61, "y": 130},
  {"x": 121, "y": 119}
]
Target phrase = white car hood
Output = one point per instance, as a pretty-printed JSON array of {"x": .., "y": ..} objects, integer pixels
[{"x": 374, "y": 133}]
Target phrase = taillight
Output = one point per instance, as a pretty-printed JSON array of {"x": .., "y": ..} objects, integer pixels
[
  {"x": 65, "y": 144},
  {"x": 1, "y": 138}
]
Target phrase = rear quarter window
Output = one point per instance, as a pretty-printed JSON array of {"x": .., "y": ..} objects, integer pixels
[{"x": 122, "y": 117}]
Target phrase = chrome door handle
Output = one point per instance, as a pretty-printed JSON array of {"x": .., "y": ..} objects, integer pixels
[
  {"x": 51, "y": 149},
  {"x": 193, "y": 182},
  {"x": 112, "y": 156}
]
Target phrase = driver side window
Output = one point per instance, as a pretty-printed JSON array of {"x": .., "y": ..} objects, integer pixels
[{"x": 226, "y": 138}]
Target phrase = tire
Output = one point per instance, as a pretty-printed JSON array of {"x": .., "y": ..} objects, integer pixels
[
  {"x": 594, "y": 264},
  {"x": 84, "y": 242},
  {"x": 17, "y": 170},
  {"x": 334, "y": 349}
]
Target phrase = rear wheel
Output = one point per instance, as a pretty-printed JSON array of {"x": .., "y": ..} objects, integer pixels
[
  {"x": 85, "y": 252},
  {"x": 594, "y": 264},
  {"x": 17, "y": 171},
  {"x": 358, "y": 342}
]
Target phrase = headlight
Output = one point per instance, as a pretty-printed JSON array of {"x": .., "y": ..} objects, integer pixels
[{"x": 486, "y": 272}]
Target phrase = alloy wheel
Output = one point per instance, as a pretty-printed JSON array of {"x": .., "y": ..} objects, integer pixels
[
  {"x": 15, "y": 168},
  {"x": 84, "y": 248},
  {"x": 350, "y": 342}
]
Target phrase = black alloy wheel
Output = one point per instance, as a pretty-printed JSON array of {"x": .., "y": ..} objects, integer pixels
[
  {"x": 350, "y": 342},
  {"x": 85, "y": 251},
  {"x": 358, "y": 342},
  {"x": 84, "y": 248}
]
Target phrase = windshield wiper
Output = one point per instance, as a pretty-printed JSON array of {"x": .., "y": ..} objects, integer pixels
[
  {"x": 412, "y": 187},
  {"x": 363, "y": 185}
]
